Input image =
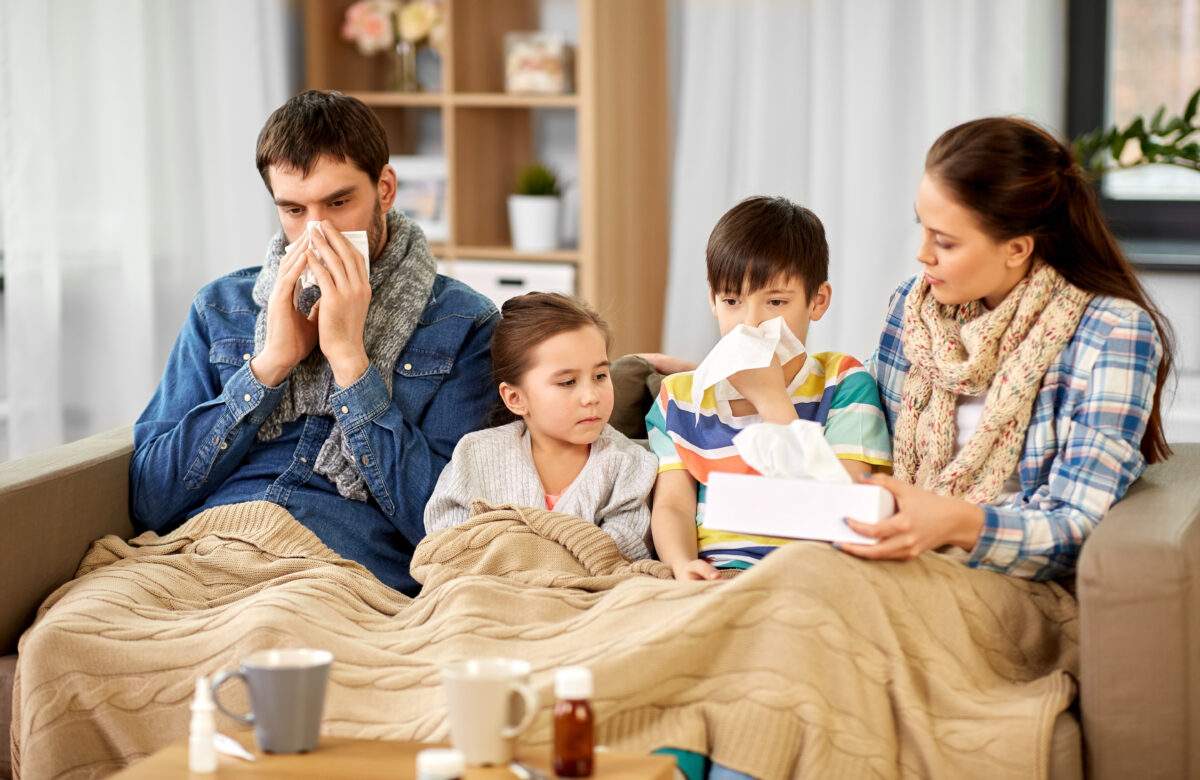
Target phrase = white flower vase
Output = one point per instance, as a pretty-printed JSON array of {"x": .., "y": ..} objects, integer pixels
[{"x": 533, "y": 221}]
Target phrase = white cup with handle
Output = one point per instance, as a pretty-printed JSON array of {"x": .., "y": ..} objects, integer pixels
[{"x": 490, "y": 702}]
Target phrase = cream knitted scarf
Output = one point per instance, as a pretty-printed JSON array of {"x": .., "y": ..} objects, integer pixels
[
  {"x": 401, "y": 282},
  {"x": 966, "y": 350}
]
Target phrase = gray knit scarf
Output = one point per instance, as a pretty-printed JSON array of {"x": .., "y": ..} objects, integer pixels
[{"x": 401, "y": 282}]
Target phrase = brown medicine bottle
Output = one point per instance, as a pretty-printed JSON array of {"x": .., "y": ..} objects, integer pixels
[{"x": 574, "y": 728}]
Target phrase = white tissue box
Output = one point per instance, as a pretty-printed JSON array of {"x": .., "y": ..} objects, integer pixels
[{"x": 792, "y": 508}]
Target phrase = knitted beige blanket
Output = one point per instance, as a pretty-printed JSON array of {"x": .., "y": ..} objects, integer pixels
[{"x": 812, "y": 664}]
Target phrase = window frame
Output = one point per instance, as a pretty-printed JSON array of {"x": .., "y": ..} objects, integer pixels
[{"x": 1087, "y": 81}]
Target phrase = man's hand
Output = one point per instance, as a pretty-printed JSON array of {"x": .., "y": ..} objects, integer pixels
[
  {"x": 341, "y": 312},
  {"x": 695, "y": 569},
  {"x": 290, "y": 337},
  {"x": 923, "y": 521},
  {"x": 766, "y": 390}
]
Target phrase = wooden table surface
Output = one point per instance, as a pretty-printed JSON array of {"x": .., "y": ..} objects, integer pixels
[{"x": 351, "y": 759}]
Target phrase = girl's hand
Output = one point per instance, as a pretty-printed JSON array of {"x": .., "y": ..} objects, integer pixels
[
  {"x": 695, "y": 569},
  {"x": 923, "y": 521}
]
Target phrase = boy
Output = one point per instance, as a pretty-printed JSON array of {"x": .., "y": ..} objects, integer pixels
[{"x": 767, "y": 257}]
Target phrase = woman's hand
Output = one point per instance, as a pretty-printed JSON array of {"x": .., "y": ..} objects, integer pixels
[
  {"x": 666, "y": 364},
  {"x": 923, "y": 521}
]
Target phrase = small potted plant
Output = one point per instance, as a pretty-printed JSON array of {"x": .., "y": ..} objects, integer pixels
[{"x": 533, "y": 209}]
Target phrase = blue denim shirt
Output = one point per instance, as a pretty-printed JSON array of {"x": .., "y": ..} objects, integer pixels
[{"x": 195, "y": 445}]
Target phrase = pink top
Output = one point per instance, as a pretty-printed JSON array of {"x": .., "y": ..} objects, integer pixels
[{"x": 552, "y": 499}]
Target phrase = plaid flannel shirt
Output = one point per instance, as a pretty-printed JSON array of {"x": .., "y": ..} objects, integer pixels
[{"x": 1082, "y": 446}]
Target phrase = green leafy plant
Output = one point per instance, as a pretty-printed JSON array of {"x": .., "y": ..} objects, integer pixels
[
  {"x": 536, "y": 179},
  {"x": 1175, "y": 141}
]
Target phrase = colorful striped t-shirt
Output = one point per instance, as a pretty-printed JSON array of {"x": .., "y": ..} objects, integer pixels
[{"x": 831, "y": 388}]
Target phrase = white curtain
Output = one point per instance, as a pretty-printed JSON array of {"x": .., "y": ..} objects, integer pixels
[
  {"x": 127, "y": 133},
  {"x": 833, "y": 103}
]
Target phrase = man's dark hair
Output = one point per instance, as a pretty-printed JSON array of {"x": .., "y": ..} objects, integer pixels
[
  {"x": 762, "y": 239},
  {"x": 316, "y": 124}
]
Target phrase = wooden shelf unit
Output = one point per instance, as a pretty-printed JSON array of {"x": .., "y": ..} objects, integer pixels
[{"x": 622, "y": 142}]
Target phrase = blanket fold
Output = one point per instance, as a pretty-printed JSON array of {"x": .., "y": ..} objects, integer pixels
[{"x": 811, "y": 664}]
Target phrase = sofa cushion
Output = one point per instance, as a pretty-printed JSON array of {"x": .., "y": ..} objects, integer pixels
[{"x": 635, "y": 384}]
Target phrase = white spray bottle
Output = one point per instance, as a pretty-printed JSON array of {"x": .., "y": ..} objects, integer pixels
[{"x": 202, "y": 753}]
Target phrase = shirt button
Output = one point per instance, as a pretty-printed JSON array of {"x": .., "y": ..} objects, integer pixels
[
  {"x": 246, "y": 356},
  {"x": 366, "y": 460},
  {"x": 345, "y": 410},
  {"x": 246, "y": 398},
  {"x": 303, "y": 459},
  {"x": 224, "y": 444},
  {"x": 408, "y": 366}
]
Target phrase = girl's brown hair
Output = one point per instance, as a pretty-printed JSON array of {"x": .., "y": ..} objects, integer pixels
[
  {"x": 525, "y": 322},
  {"x": 1021, "y": 181}
]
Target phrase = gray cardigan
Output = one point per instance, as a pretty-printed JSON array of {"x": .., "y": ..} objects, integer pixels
[{"x": 496, "y": 465}]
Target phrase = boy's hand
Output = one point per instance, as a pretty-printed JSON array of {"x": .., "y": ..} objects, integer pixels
[
  {"x": 766, "y": 390},
  {"x": 695, "y": 570}
]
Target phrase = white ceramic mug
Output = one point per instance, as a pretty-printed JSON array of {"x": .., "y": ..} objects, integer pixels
[{"x": 490, "y": 702}]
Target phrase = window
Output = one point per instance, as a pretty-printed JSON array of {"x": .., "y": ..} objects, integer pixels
[{"x": 1127, "y": 58}]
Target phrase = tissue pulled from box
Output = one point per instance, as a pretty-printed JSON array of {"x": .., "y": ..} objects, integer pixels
[
  {"x": 797, "y": 450},
  {"x": 744, "y": 347},
  {"x": 307, "y": 292}
]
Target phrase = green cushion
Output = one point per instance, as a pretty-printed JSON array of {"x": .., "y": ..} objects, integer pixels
[{"x": 635, "y": 384}]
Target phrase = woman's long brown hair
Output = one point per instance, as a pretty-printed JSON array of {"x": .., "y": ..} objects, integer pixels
[{"x": 1021, "y": 181}]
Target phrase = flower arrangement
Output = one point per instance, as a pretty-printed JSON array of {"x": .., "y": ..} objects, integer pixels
[{"x": 376, "y": 26}]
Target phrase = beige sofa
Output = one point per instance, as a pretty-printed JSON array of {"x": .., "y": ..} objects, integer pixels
[{"x": 1138, "y": 589}]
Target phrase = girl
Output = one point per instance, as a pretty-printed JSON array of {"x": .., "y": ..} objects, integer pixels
[
  {"x": 552, "y": 446},
  {"x": 1022, "y": 370}
]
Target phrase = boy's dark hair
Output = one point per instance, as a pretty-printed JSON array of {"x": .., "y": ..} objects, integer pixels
[
  {"x": 317, "y": 124},
  {"x": 525, "y": 322},
  {"x": 763, "y": 238}
]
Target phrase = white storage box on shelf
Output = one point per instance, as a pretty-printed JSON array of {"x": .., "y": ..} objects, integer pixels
[{"x": 501, "y": 280}]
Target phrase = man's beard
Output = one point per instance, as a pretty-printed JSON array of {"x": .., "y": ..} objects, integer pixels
[{"x": 377, "y": 232}]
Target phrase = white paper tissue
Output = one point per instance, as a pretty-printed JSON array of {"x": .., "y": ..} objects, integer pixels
[
  {"x": 742, "y": 348},
  {"x": 798, "y": 450},
  {"x": 305, "y": 301}
]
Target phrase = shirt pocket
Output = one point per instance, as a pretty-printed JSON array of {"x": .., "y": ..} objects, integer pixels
[
  {"x": 418, "y": 375},
  {"x": 228, "y": 355}
]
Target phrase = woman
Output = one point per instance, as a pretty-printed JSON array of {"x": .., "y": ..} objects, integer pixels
[{"x": 1022, "y": 371}]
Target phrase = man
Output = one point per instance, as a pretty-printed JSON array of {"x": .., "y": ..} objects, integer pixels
[{"x": 345, "y": 417}]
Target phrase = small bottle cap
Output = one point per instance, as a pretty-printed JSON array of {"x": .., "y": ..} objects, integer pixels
[
  {"x": 440, "y": 764},
  {"x": 203, "y": 699},
  {"x": 573, "y": 682}
]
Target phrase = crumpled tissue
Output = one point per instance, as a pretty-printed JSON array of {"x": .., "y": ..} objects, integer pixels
[
  {"x": 797, "y": 450},
  {"x": 742, "y": 348},
  {"x": 307, "y": 292}
]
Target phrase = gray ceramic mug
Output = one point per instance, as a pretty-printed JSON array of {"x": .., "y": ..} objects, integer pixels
[{"x": 287, "y": 696}]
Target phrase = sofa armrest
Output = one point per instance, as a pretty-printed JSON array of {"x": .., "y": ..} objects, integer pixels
[
  {"x": 52, "y": 506},
  {"x": 1138, "y": 587}
]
